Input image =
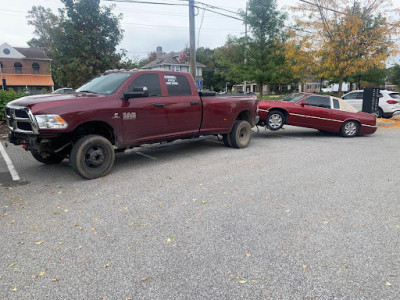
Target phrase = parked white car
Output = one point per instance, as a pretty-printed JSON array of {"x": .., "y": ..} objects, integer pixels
[{"x": 389, "y": 102}]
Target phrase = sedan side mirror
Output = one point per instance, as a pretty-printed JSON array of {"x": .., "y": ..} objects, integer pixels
[
  {"x": 138, "y": 92},
  {"x": 304, "y": 104}
]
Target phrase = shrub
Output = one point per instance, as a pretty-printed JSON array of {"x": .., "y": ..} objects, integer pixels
[{"x": 5, "y": 97}]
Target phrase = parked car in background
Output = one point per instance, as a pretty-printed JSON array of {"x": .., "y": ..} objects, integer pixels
[
  {"x": 63, "y": 91},
  {"x": 324, "y": 113},
  {"x": 389, "y": 102}
]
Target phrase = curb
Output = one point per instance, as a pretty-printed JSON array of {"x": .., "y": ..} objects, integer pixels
[{"x": 385, "y": 123}]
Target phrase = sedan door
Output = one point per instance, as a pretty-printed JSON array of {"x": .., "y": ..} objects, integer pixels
[{"x": 318, "y": 112}]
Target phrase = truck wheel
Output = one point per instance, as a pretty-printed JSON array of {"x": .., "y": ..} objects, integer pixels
[
  {"x": 240, "y": 134},
  {"x": 350, "y": 129},
  {"x": 51, "y": 159},
  {"x": 275, "y": 120},
  {"x": 227, "y": 140},
  {"x": 92, "y": 156}
]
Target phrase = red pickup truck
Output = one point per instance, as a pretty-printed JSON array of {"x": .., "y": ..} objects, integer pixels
[{"x": 122, "y": 109}]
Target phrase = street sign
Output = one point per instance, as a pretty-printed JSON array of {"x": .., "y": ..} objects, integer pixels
[{"x": 199, "y": 84}]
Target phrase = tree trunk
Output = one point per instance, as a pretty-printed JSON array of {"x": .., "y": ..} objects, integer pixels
[{"x": 340, "y": 93}]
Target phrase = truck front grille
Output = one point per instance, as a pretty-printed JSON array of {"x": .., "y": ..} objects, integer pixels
[{"x": 21, "y": 120}]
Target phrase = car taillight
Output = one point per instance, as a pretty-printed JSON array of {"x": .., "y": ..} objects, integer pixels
[{"x": 391, "y": 102}]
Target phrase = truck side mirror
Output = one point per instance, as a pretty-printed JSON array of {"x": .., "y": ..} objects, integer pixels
[{"x": 138, "y": 92}]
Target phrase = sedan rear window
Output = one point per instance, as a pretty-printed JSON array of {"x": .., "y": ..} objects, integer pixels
[{"x": 394, "y": 95}]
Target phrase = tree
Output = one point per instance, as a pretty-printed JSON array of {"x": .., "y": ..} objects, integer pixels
[
  {"x": 395, "y": 75},
  {"x": 265, "y": 54},
  {"x": 348, "y": 37},
  {"x": 81, "y": 40}
]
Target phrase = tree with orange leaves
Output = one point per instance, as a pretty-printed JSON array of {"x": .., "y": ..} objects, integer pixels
[{"x": 347, "y": 36}]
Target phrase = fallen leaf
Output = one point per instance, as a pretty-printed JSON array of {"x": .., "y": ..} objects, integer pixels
[
  {"x": 38, "y": 242},
  {"x": 42, "y": 273},
  {"x": 388, "y": 283},
  {"x": 194, "y": 199},
  {"x": 242, "y": 281},
  {"x": 53, "y": 279},
  {"x": 95, "y": 219},
  {"x": 56, "y": 213},
  {"x": 60, "y": 192},
  {"x": 15, "y": 289},
  {"x": 326, "y": 222},
  {"x": 204, "y": 202},
  {"x": 248, "y": 254},
  {"x": 65, "y": 210},
  {"x": 397, "y": 226},
  {"x": 106, "y": 265},
  {"x": 143, "y": 278},
  {"x": 61, "y": 243}
]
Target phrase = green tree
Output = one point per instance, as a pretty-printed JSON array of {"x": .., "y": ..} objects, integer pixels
[
  {"x": 81, "y": 40},
  {"x": 395, "y": 75},
  {"x": 265, "y": 53}
]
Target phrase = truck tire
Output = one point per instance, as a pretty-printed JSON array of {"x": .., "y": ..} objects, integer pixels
[
  {"x": 92, "y": 156},
  {"x": 226, "y": 138},
  {"x": 240, "y": 134},
  {"x": 51, "y": 159}
]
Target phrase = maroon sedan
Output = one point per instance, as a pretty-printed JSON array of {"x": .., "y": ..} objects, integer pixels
[{"x": 324, "y": 113}]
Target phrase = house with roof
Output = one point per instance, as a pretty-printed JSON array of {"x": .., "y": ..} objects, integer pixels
[
  {"x": 25, "y": 69},
  {"x": 175, "y": 62}
]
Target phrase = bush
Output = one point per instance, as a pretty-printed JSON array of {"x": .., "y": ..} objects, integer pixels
[{"x": 5, "y": 97}]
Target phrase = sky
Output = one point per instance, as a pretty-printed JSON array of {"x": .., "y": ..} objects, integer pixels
[{"x": 145, "y": 26}]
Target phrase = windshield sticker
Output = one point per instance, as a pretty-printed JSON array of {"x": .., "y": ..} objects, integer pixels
[{"x": 170, "y": 80}]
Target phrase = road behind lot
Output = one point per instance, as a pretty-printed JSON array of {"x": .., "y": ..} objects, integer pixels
[{"x": 297, "y": 214}]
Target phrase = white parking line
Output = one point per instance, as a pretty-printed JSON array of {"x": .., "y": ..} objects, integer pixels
[
  {"x": 145, "y": 155},
  {"x": 9, "y": 163}
]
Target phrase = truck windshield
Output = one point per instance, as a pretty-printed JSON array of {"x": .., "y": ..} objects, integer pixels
[{"x": 104, "y": 84}]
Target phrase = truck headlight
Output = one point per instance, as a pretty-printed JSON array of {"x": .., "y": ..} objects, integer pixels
[{"x": 51, "y": 122}]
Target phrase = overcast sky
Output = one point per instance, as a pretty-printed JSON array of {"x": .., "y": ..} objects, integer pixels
[{"x": 145, "y": 26}]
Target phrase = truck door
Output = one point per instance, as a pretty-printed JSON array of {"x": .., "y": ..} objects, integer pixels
[
  {"x": 144, "y": 117},
  {"x": 183, "y": 107}
]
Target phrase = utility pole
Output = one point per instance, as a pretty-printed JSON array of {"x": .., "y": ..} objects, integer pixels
[{"x": 192, "y": 40}]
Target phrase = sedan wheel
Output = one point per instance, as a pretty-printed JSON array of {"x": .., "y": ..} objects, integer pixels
[
  {"x": 350, "y": 129},
  {"x": 275, "y": 120}
]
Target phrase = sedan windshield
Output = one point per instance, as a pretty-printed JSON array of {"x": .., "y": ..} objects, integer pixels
[
  {"x": 104, "y": 84},
  {"x": 293, "y": 97}
]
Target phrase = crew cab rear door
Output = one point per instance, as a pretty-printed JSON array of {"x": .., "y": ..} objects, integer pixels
[{"x": 182, "y": 105}]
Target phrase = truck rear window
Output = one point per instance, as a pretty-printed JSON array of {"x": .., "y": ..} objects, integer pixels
[
  {"x": 177, "y": 85},
  {"x": 395, "y": 95}
]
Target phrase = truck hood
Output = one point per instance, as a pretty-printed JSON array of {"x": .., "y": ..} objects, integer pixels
[{"x": 29, "y": 101}]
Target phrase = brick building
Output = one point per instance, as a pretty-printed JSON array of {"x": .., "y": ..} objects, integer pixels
[{"x": 25, "y": 69}]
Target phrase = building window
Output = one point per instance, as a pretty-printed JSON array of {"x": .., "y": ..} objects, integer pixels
[
  {"x": 35, "y": 67},
  {"x": 1, "y": 66},
  {"x": 6, "y": 51},
  {"x": 175, "y": 68},
  {"x": 18, "y": 68}
]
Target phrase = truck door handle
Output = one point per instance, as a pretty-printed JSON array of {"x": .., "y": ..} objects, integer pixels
[
  {"x": 194, "y": 102},
  {"x": 159, "y": 104}
]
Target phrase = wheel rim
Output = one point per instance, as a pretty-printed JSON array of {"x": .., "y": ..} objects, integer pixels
[
  {"x": 243, "y": 135},
  {"x": 350, "y": 128},
  {"x": 275, "y": 121},
  {"x": 94, "y": 157}
]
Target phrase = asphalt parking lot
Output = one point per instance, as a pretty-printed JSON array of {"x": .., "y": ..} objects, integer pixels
[{"x": 296, "y": 215}]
